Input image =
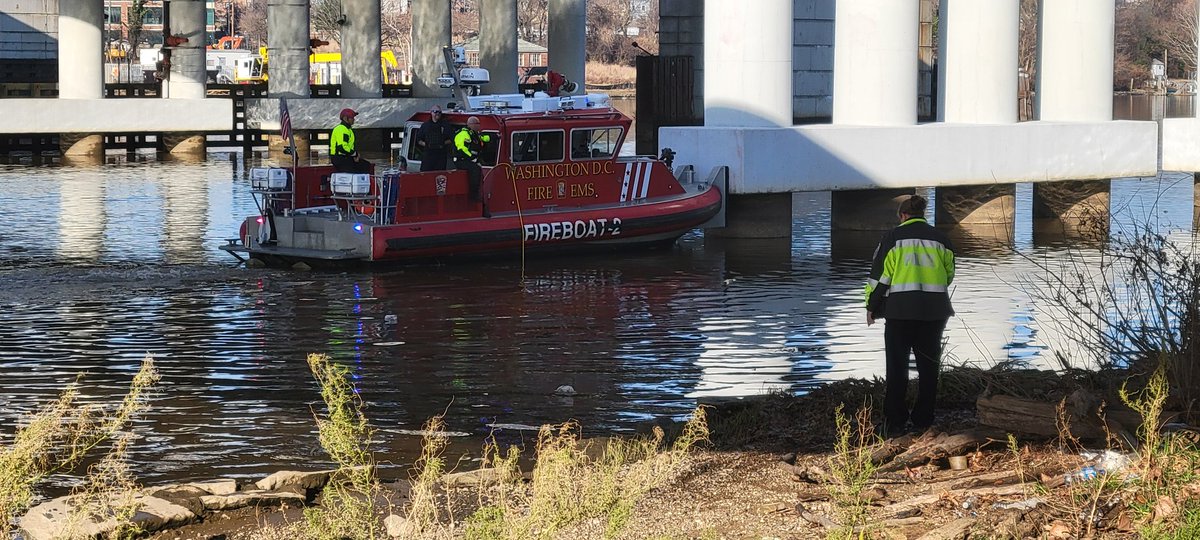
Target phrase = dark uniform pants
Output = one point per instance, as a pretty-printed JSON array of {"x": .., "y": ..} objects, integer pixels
[
  {"x": 346, "y": 164},
  {"x": 923, "y": 339},
  {"x": 433, "y": 159},
  {"x": 474, "y": 174}
]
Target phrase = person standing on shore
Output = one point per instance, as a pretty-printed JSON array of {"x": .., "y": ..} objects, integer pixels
[{"x": 909, "y": 286}]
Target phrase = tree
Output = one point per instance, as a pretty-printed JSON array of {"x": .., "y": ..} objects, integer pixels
[
  {"x": 134, "y": 23},
  {"x": 324, "y": 15},
  {"x": 251, "y": 22},
  {"x": 396, "y": 26},
  {"x": 532, "y": 21}
]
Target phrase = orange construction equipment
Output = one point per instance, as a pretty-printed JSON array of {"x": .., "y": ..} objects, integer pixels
[{"x": 228, "y": 43}]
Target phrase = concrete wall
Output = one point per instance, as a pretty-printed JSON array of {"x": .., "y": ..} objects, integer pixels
[
  {"x": 29, "y": 29},
  {"x": 117, "y": 115},
  {"x": 828, "y": 157}
]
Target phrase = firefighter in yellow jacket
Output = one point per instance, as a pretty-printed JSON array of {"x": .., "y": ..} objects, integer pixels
[
  {"x": 468, "y": 149},
  {"x": 343, "y": 154},
  {"x": 909, "y": 286}
]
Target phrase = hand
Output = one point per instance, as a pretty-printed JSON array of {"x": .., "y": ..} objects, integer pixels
[{"x": 870, "y": 318}]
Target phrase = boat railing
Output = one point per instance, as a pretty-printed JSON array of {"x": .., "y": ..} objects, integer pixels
[
  {"x": 375, "y": 204},
  {"x": 685, "y": 174}
]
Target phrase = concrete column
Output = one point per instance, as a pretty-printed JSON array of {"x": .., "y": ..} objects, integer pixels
[
  {"x": 866, "y": 210},
  {"x": 1195, "y": 201},
  {"x": 758, "y": 215},
  {"x": 276, "y": 144},
  {"x": 81, "y": 49},
  {"x": 1075, "y": 61},
  {"x": 566, "y": 38},
  {"x": 362, "y": 76},
  {"x": 81, "y": 144},
  {"x": 430, "y": 33},
  {"x": 287, "y": 48},
  {"x": 498, "y": 45},
  {"x": 1076, "y": 208},
  {"x": 992, "y": 204},
  {"x": 187, "y": 77},
  {"x": 179, "y": 144},
  {"x": 978, "y": 61},
  {"x": 875, "y": 62},
  {"x": 748, "y": 65}
]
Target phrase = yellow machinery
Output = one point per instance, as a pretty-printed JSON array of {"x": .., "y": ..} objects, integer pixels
[{"x": 324, "y": 68}]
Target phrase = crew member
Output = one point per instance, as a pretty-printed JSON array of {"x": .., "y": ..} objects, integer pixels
[
  {"x": 468, "y": 145},
  {"x": 342, "y": 152},
  {"x": 434, "y": 138},
  {"x": 910, "y": 276}
]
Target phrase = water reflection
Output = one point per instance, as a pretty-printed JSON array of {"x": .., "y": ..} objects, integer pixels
[{"x": 104, "y": 264}]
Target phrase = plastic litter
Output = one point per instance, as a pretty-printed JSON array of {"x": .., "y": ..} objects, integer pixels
[{"x": 1028, "y": 504}]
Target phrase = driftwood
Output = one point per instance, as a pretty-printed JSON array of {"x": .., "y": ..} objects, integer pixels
[
  {"x": 903, "y": 507},
  {"x": 940, "y": 446},
  {"x": 1083, "y": 412}
]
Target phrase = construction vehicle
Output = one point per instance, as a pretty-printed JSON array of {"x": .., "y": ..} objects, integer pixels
[
  {"x": 324, "y": 68},
  {"x": 227, "y": 43}
]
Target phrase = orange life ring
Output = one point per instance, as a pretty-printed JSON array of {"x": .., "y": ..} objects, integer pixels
[{"x": 366, "y": 207}]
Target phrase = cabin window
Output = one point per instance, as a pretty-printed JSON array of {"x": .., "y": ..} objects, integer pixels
[
  {"x": 530, "y": 146},
  {"x": 595, "y": 143},
  {"x": 415, "y": 151}
]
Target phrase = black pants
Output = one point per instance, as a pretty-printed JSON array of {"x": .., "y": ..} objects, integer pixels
[
  {"x": 433, "y": 159},
  {"x": 923, "y": 339},
  {"x": 474, "y": 174},
  {"x": 346, "y": 164}
]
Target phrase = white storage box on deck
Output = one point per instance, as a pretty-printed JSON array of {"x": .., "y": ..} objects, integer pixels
[
  {"x": 342, "y": 183},
  {"x": 362, "y": 184},
  {"x": 278, "y": 179},
  {"x": 259, "y": 178}
]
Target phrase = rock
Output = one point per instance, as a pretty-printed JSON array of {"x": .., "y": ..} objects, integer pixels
[
  {"x": 301, "y": 266},
  {"x": 217, "y": 487},
  {"x": 397, "y": 527},
  {"x": 53, "y": 519},
  {"x": 475, "y": 478},
  {"x": 565, "y": 390},
  {"x": 184, "y": 495},
  {"x": 250, "y": 498},
  {"x": 255, "y": 263},
  {"x": 308, "y": 480}
]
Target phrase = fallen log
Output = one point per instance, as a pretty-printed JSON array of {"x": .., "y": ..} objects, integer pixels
[
  {"x": 1083, "y": 413},
  {"x": 939, "y": 447},
  {"x": 903, "y": 507}
]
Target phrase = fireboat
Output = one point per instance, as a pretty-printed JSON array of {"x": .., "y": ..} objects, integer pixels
[{"x": 553, "y": 180}]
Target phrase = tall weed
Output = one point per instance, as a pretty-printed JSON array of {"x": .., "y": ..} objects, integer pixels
[{"x": 59, "y": 436}]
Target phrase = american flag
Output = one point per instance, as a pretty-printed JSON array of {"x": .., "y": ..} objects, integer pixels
[{"x": 285, "y": 120}]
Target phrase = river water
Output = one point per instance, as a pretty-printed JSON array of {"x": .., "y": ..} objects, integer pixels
[{"x": 103, "y": 264}]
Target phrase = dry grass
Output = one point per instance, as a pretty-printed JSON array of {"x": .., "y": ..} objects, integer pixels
[
  {"x": 609, "y": 74},
  {"x": 423, "y": 518},
  {"x": 569, "y": 486},
  {"x": 60, "y": 435},
  {"x": 348, "y": 500},
  {"x": 851, "y": 470}
]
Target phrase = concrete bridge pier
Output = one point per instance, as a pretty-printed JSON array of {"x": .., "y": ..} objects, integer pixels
[
  {"x": 362, "y": 77},
  {"x": 430, "y": 33},
  {"x": 993, "y": 204},
  {"x": 866, "y": 209},
  {"x": 498, "y": 45},
  {"x": 81, "y": 66},
  {"x": 76, "y": 145},
  {"x": 287, "y": 47},
  {"x": 276, "y": 144},
  {"x": 566, "y": 44},
  {"x": 179, "y": 144},
  {"x": 1196, "y": 201},
  {"x": 1071, "y": 209},
  {"x": 748, "y": 83}
]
